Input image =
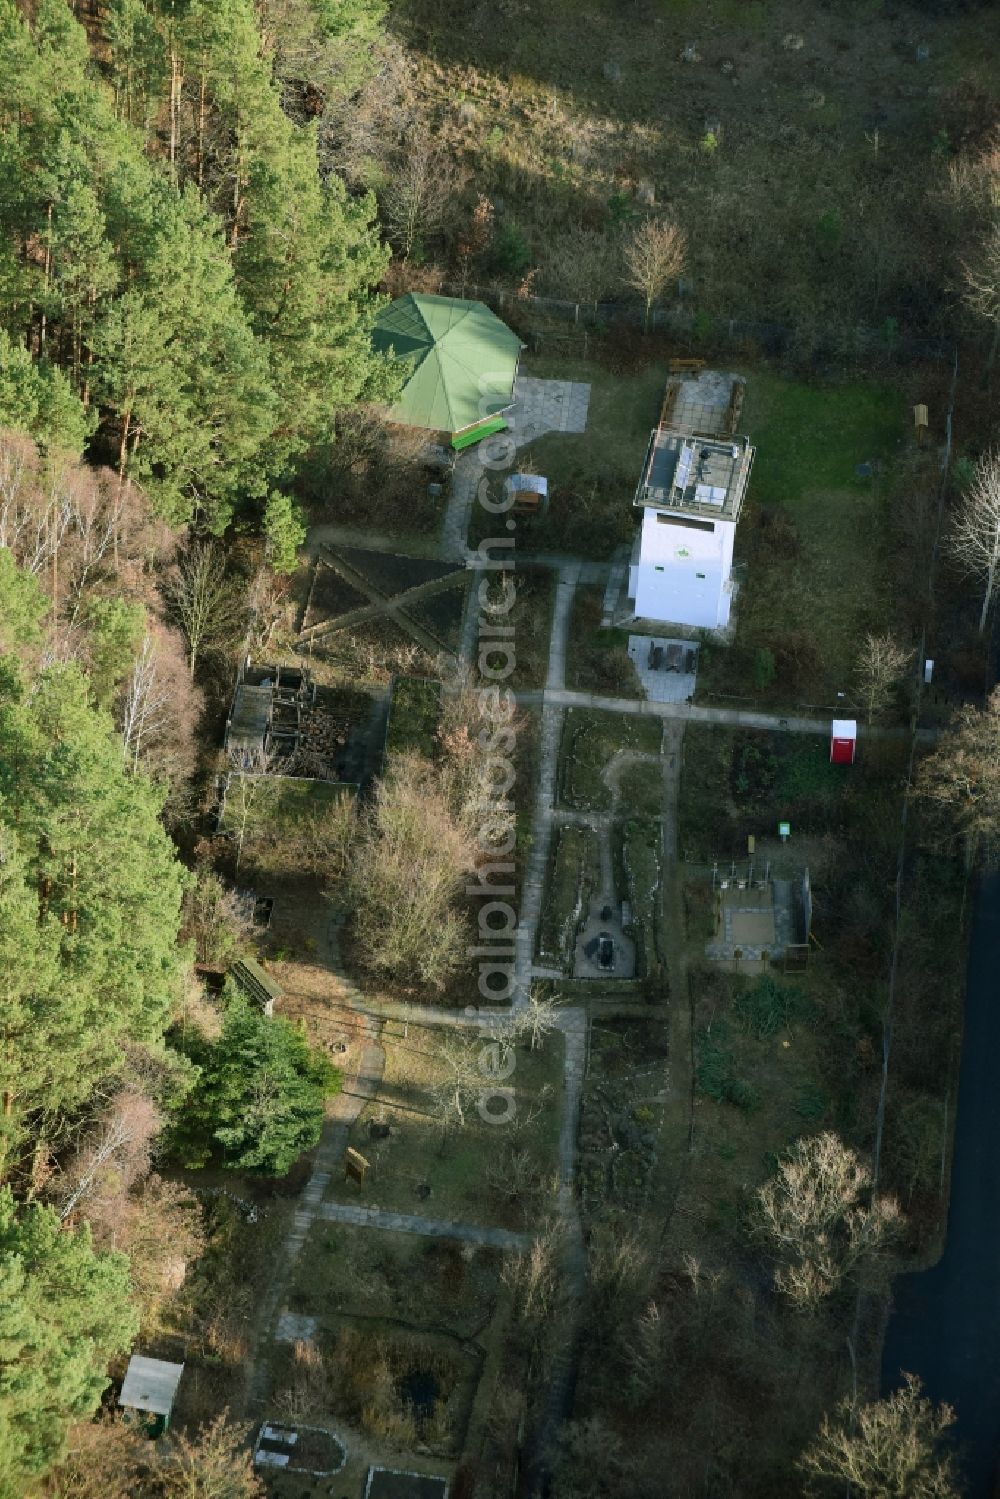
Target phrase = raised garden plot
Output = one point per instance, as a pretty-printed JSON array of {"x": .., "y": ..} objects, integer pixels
[
  {"x": 620, "y": 1113},
  {"x": 391, "y": 574},
  {"x": 575, "y": 874},
  {"x": 441, "y": 614},
  {"x": 642, "y": 867},
  {"x": 590, "y": 739},
  {"x": 640, "y": 789},
  {"x": 330, "y": 596},
  {"x": 741, "y": 781}
]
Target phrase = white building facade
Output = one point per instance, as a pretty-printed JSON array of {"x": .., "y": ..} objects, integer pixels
[{"x": 690, "y": 496}]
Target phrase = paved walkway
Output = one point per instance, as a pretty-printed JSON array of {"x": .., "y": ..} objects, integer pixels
[{"x": 431, "y": 1228}]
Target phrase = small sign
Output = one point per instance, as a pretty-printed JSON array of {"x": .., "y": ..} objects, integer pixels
[
  {"x": 356, "y": 1166},
  {"x": 751, "y": 844},
  {"x": 784, "y": 829}
]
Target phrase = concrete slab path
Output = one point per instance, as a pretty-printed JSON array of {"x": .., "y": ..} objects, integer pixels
[{"x": 431, "y": 1228}]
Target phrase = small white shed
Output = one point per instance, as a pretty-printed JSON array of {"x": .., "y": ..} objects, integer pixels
[{"x": 150, "y": 1386}]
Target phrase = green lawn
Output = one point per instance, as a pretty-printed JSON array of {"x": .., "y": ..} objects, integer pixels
[{"x": 813, "y": 547}]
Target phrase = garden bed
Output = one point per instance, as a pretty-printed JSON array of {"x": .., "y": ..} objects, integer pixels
[
  {"x": 598, "y": 659},
  {"x": 621, "y": 1113},
  {"x": 590, "y": 739},
  {"x": 642, "y": 860},
  {"x": 575, "y": 874}
]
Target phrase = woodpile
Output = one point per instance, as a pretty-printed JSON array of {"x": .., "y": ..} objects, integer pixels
[{"x": 323, "y": 733}]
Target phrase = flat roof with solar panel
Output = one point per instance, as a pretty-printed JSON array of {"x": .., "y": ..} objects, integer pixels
[{"x": 695, "y": 474}]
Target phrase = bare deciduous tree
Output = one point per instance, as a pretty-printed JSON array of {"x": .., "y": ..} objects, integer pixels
[
  {"x": 974, "y": 540},
  {"x": 881, "y": 662},
  {"x": 961, "y": 777},
  {"x": 539, "y": 1017},
  {"x": 654, "y": 257},
  {"x": 409, "y": 866},
  {"x": 461, "y": 1079},
  {"x": 821, "y": 1218},
  {"x": 113, "y": 1154},
  {"x": 583, "y": 266},
  {"x": 145, "y": 704},
  {"x": 885, "y": 1449},
  {"x": 204, "y": 601},
  {"x": 981, "y": 277},
  {"x": 415, "y": 200},
  {"x": 594, "y": 1462},
  {"x": 213, "y": 1465},
  {"x": 251, "y": 788},
  {"x": 533, "y": 1277},
  {"x": 514, "y": 1175}
]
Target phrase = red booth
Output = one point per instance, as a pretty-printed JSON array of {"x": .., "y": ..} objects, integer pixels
[{"x": 843, "y": 741}]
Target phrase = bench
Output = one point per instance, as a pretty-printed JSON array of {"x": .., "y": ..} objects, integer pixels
[{"x": 686, "y": 366}]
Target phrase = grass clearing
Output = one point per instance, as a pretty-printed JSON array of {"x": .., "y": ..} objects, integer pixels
[
  {"x": 591, "y": 738},
  {"x": 431, "y": 1284},
  {"x": 592, "y": 475},
  {"x": 640, "y": 789},
  {"x": 463, "y": 1167}
]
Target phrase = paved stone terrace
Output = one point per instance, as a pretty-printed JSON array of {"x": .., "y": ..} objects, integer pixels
[{"x": 547, "y": 406}]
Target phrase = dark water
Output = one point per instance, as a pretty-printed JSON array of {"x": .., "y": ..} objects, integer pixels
[
  {"x": 945, "y": 1324},
  {"x": 420, "y": 1390}
]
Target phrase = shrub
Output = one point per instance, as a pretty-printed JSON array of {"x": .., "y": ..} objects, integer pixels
[
  {"x": 764, "y": 668},
  {"x": 511, "y": 255},
  {"x": 716, "y": 1075},
  {"x": 258, "y": 1101},
  {"x": 767, "y": 1007}
]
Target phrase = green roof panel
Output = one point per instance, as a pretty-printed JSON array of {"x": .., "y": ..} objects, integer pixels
[{"x": 463, "y": 360}]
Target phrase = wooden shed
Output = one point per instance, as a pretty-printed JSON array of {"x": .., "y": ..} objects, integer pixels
[
  {"x": 529, "y": 493},
  {"x": 256, "y": 983}
]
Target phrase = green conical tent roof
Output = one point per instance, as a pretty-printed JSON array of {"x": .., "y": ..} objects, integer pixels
[{"x": 463, "y": 358}]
